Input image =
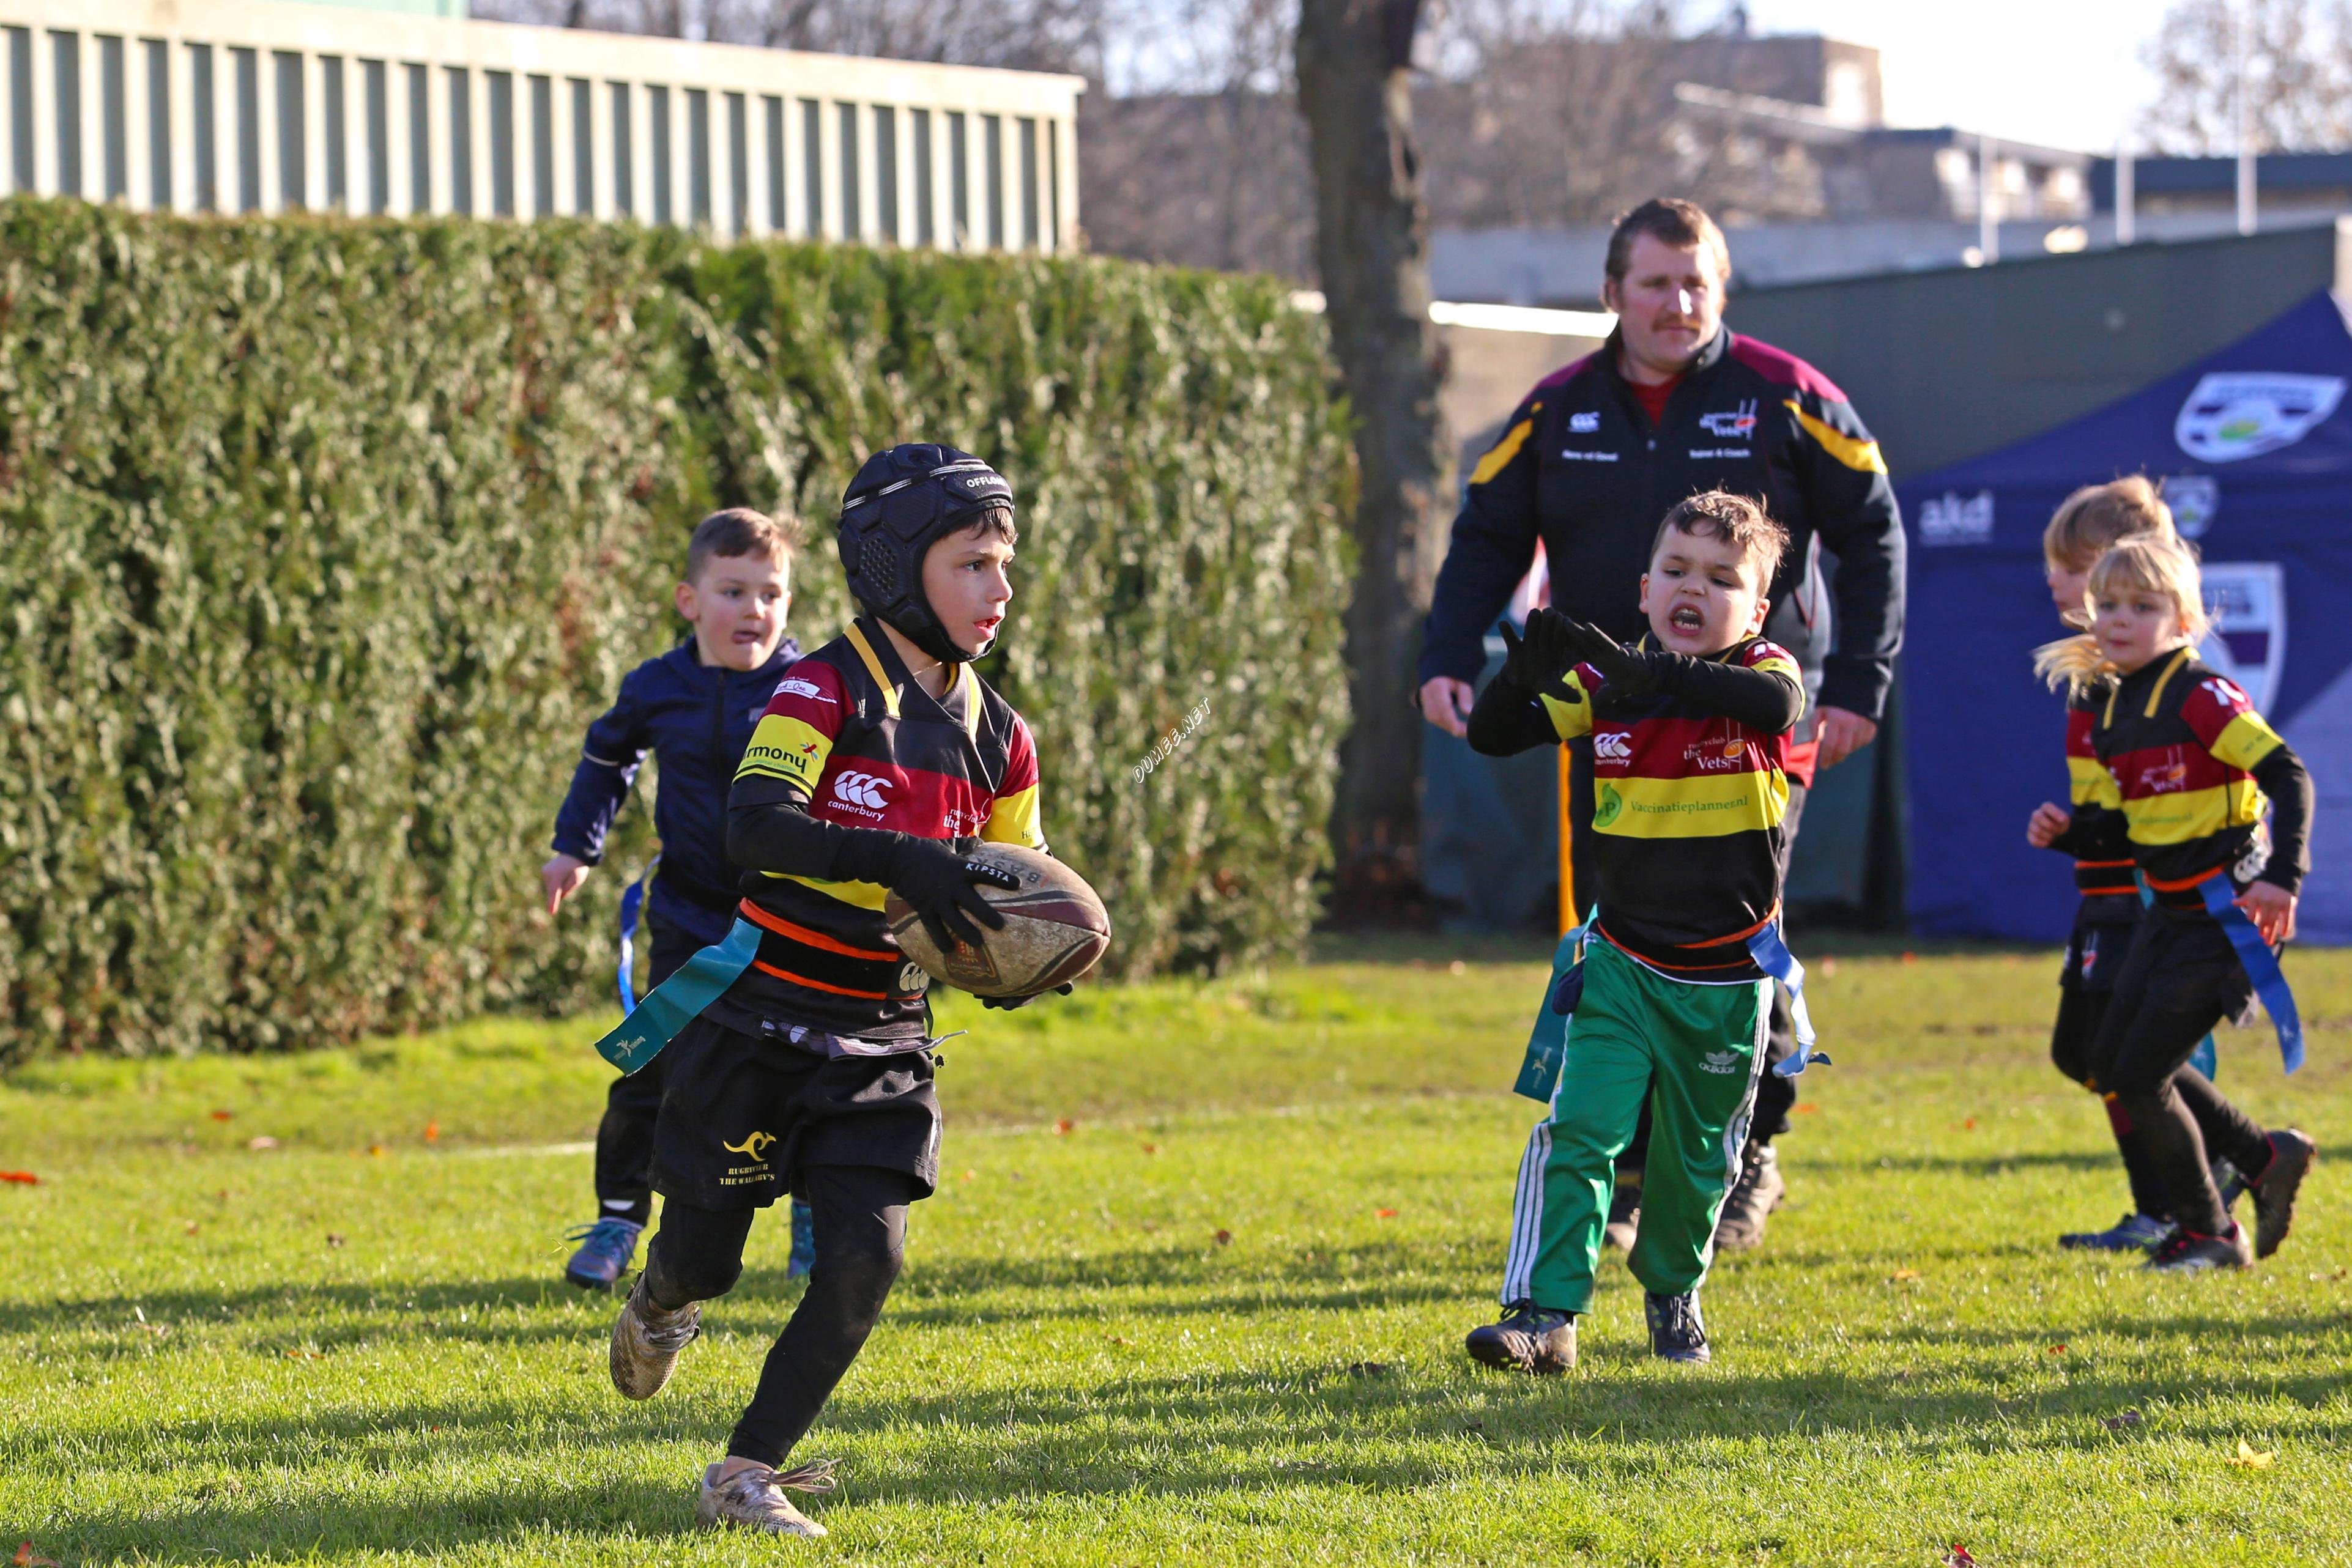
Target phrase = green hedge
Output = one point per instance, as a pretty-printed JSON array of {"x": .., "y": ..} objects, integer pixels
[{"x": 320, "y": 541}]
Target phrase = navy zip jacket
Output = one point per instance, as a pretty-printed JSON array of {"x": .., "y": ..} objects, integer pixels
[
  {"x": 696, "y": 719},
  {"x": 1581, "y": 467}
]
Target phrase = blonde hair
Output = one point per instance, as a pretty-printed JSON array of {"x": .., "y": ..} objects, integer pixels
[
  {"x": 2097, "y": 517},
  {"x": 2150, "y": 564}
]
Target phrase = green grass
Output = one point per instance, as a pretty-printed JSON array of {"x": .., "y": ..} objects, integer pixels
[{"x": 1182, "y": 1328}]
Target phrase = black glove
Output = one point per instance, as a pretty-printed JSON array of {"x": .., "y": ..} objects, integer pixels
[
  {"x": 938, "y": 880},
  {"x": 1627, "y": 672},
  {"x": 1009, "y": 1003},
  {"x": 1540, "y": 662}
]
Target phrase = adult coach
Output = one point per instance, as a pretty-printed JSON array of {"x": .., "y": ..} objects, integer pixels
[{"x": 1674, "y": 403}]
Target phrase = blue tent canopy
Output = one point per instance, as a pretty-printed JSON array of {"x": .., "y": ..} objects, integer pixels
[{"x": 2254, "y": 445}]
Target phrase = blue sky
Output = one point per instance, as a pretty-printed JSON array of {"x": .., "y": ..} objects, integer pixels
[{"x": 2065, "y": 73}]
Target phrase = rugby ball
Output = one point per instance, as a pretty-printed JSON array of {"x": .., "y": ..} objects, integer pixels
[{"x": 1056, "y": 929}]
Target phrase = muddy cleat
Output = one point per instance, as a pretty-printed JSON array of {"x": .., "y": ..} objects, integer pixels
[
  {"x": 1759, "y": 1191},
  {"x": 1528, "y": 1339},
  {"x": 646, "y": 1340},
  {"x": 754, "y": 1497},
  {"x": 2186, "y": 1252},
  {"x": 2274, "y": 1189},
  {"x": 1675, "y": 1332},
  {"x": 2132, "y": 1233},
  {"x": 804, "y": 1254},
  {"x": 606, "y": 1249},
  {"x": 1624, "y": 1212}
]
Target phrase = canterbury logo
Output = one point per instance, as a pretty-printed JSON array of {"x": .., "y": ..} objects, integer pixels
[
  {"x": 1614, "y": 746},
  {"x": 755, "y": 1147},
  {"x": 860, "y": 788}
]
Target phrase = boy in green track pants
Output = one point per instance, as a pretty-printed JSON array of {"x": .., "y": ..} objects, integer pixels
[{"x": 1690, "y": 741}]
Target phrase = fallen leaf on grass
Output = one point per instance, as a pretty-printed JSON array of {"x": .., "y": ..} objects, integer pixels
[
  {"x": 375, "y": 1151},
  {"x": 1969, "y": 1125},
  {"x": 1065, "y": 1127},
  {"x": 264, "y": 1142},
  {"x": 2246, "y": 1458},
  {"x": 192, "y": 1227},
  {"x": 1224, "y": 1239},
  {"x": 224, "y": 1116},
  {"x": 432, "y": 1131},
  {"x": 23, "y": 1178},
  {"x": 968, "y": 1176},
  {"x": 304, "y": 1356},
  {"x": 333, "y": 1239},
  {"x": 1384, "y": 1214},
  {"x": 1827, "y": 967},
  {"x": 1913, "y": 958},
  {"x": 1904, "y": 1276},
  {"x": 2129, "y": 1419},
  {"x": 24, "y": 1558},
  {"x": 1806, "y": 1108},
  {"x": 1151, "y": 1148},
  {"x": 1958, "y": 1557},
  {"x": 1118, "y": 1339},
  {"x": 2056, "y": 1349}
]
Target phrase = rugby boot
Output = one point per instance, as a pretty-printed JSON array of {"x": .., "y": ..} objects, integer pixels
[
  {"x": 608, "y": 1246},
  {"x": 1530, "y": 1339},
  {"x": 2186, "y": 1252},
  {"x": 1676, "y": 1332},
  {"x": 804, "y": 1257},
  {"x": 2132, "y": 1233},
  {"x": 2274, "y": 1189},
  {"x": 646, "y": 1340},
  {"x": 754, "y": 1498},
  {"x": 1624, "y": 1220},
  {"x": 1759, "y": 1190}
]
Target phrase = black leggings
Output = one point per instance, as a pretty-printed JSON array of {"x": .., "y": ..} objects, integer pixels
[
  {"x": 861, "y": 1238},
  {"x": 2182, "y": 978},
  {"x": 2080, "y": 1014}
]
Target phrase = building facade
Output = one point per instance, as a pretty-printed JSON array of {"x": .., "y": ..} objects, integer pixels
[{"x": 266, "y": 106}]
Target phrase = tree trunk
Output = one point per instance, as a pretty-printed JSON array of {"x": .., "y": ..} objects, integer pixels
[{"x": 1372, "y": 249}]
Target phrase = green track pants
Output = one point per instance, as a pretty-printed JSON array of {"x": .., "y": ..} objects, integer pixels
[{"x": 1697, "y": 1048}]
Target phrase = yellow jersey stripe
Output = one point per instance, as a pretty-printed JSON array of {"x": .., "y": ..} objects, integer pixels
[
  {"x": 2164, "y": 680},
  {"x": 2245, "y": 740},
  {"x": 864, "y": 895},
  {"x": 1569, "y": 719},
  {"x": 2092, "y": 785},
  {"x": 1710, "y": 806},
  {"x": 874, "y": 668},
  {"x": 2194, "y": 814},
  {"x": 788, "y": 748},
  {"x": 1499, "y": 458},
  {"x": 1015, "y": 820},
  {"x": 1861, "y": 456}
]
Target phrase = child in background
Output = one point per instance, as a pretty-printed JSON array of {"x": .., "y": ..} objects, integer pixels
[
  {"x": 2188, "y": 764},
  {"x": 694, "y": 708},
  {"x": 1691, "y": 738},
  {"x": 2085, "y": 526}
]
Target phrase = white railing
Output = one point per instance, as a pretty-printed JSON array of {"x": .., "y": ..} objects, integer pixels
[{"x": 239, "y": 106}]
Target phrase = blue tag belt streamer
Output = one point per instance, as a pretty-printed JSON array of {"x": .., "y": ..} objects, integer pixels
[
  {"x": 2262, "y": 965},
  {"x": 677, "y": 1001},
  {"x": 1548, "y": 1042},
  {"x": 633, "y": 902}
]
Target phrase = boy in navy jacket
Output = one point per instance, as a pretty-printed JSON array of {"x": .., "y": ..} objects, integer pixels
[{"x": 694, "y": 708}]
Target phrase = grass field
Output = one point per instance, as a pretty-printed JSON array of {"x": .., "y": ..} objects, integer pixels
[{"x": 1195, "y": 1287}]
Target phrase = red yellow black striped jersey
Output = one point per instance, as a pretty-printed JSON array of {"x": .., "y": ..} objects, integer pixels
[
  {"x": 1689, "y": 814},
  {"x": 2098, "y": 838},
  {"x": 852, "y": 738},
  {"x": 2178, "y": 744}
]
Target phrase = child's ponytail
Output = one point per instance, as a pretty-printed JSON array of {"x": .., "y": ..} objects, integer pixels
[{"x": 2074, "y": 664}]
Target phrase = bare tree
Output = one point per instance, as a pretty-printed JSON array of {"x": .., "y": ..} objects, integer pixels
[
  {"x": 1354, "y": 71},
  {"x": 2296, "y": 70}
]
